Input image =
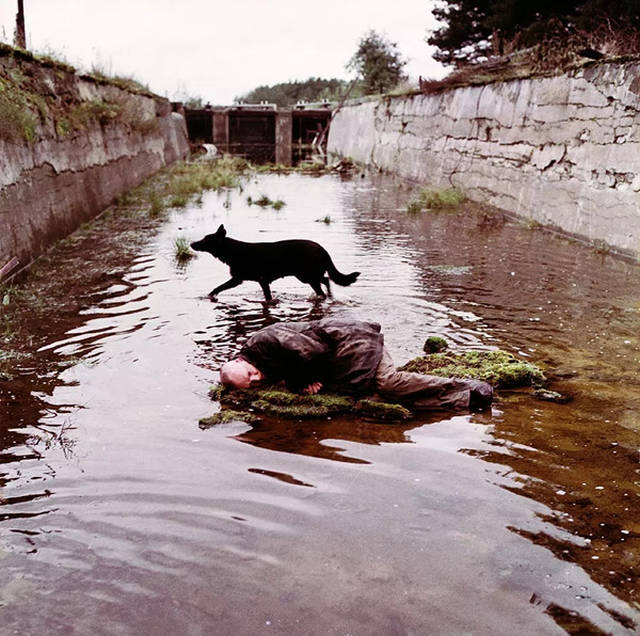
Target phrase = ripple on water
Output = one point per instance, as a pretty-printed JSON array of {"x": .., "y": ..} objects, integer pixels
[{"x": 113, "y": 496}]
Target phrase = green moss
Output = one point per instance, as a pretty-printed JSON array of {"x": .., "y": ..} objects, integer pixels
[
  {"x": 300, "y": 411},
  {"x": 382, "y": 410},
  {"x": 222, "y": 417},
  {"x": 500, "y": 368},
  {"x": 280, "y": 403},
  {"x": 63, "y": 127},
  {"x": 434, "y": 344}
]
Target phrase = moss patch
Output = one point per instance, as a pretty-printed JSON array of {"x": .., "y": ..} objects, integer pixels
[
  {"x": 382, "y": 410},
  {"x": 222, "y": 417},
  {"x": 434, "y": 344},
  {"x": 499, "y": 368},
  {"x": 279, "y": 403}
]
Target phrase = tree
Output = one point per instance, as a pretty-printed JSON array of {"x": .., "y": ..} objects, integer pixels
[
  {"x": 473, "y": 29},
  {"x": 314, "y": 89},
  {"x": 378, "y": 63}
]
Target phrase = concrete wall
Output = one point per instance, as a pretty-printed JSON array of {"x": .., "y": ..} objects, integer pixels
[
  {"x": 79, "y": 158},
  {"x": 563, "y": 151}
]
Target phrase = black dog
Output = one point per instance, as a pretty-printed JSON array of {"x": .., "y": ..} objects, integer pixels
[{"x": 265, "y": 262}]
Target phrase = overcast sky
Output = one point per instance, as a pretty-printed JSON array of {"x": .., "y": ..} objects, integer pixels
[{"x": 221, "y": 49}]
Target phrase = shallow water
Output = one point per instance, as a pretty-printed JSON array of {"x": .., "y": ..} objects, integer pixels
[{"x": 120, "y": 515}]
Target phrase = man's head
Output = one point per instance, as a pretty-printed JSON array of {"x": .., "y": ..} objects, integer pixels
[{"x": 240, "y": 374}]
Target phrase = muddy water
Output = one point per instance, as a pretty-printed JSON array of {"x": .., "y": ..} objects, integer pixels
[{"x": 120, "y": 515}]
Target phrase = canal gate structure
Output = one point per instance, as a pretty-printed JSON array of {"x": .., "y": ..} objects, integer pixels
[{"x": 263, "y": 133}]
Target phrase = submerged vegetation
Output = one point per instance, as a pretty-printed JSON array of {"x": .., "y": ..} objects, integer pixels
[
  {"x": 264, "y": 201},
  {"x": 432, "y": 199}
]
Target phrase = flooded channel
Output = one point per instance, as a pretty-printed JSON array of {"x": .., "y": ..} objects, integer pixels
[{"x": 120, "y": 515}]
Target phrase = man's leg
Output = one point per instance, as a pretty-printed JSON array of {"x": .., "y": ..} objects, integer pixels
[{"x": 430, "y": 391}]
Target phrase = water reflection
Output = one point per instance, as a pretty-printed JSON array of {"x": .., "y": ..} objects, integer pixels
[{"x": 322, "y": 438}]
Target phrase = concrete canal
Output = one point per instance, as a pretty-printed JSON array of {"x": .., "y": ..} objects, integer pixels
[{"x": 120, "y": 515}]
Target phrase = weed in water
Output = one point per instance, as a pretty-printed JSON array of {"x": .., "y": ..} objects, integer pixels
[
  {"x": 278, "y": 205},
  {"x": 182, "y": 251},
  {"x": 178, "y": 201},
  {"x": 413, "y": 207},
  {"x": 324, "y": 219},
  {"x": 156, "y": 205},
  {"x": 431, "y": 199},
  {"x": 437, "y": 199},
  {"x": 264, "y": 201}
]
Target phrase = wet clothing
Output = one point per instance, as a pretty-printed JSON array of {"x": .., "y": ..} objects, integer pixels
[
  {"x": 343, "y": 355},
  {"x": 349, "y": 357}
]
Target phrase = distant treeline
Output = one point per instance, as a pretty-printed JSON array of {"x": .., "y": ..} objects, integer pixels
[{"x": 315, "y": 89}]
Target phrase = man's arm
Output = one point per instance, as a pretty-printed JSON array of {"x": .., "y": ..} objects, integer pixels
[{"x": 285, "y": 353}]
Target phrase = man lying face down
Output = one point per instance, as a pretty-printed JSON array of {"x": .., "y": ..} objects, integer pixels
[{"x": 346, "y": 357}]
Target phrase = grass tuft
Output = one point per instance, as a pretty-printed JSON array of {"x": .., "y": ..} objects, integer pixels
[
  {"x": 182, "y": 249},
  {"x": 432, "y": 199}
]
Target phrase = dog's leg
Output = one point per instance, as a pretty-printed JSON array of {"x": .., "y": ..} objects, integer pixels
[
  {"x": 325, "y": 280},
  {"x": 266, "y": 290},
  {"x": 232, "y": 282},
  {"x": 317, "y": 289}
]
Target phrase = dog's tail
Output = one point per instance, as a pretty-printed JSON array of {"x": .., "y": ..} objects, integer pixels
[{"x": 338, "y": 277}]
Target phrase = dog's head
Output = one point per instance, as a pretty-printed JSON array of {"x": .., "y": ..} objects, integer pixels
[{"x": 211, "y": 242}]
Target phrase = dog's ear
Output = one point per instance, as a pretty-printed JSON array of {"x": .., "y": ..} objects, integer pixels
[{"x": 221, "y": 232}]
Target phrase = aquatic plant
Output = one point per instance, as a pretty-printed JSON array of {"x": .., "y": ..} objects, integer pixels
[
  {"x": 500, "y": 368},
  {"x": 263, "y": 201},
  {"x": 432, "y": 199},
  {"x": 278, "y": 205},
  {"x": 437, "y": 199},
  {"x": 325, "y": 219},
  {"x": 156, "y": 204},
  {"x": 413, "y": 207},
  {"x": 178, "y": 201},
  {"x": 182, "y": 249}
]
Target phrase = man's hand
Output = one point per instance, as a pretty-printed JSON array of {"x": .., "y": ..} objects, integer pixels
[{"x": 313, "y": 388}]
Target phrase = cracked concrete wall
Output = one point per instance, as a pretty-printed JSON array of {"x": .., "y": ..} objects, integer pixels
[
  {"x": 50, "y": 186},
  {"x": 562, "y": 151}
]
